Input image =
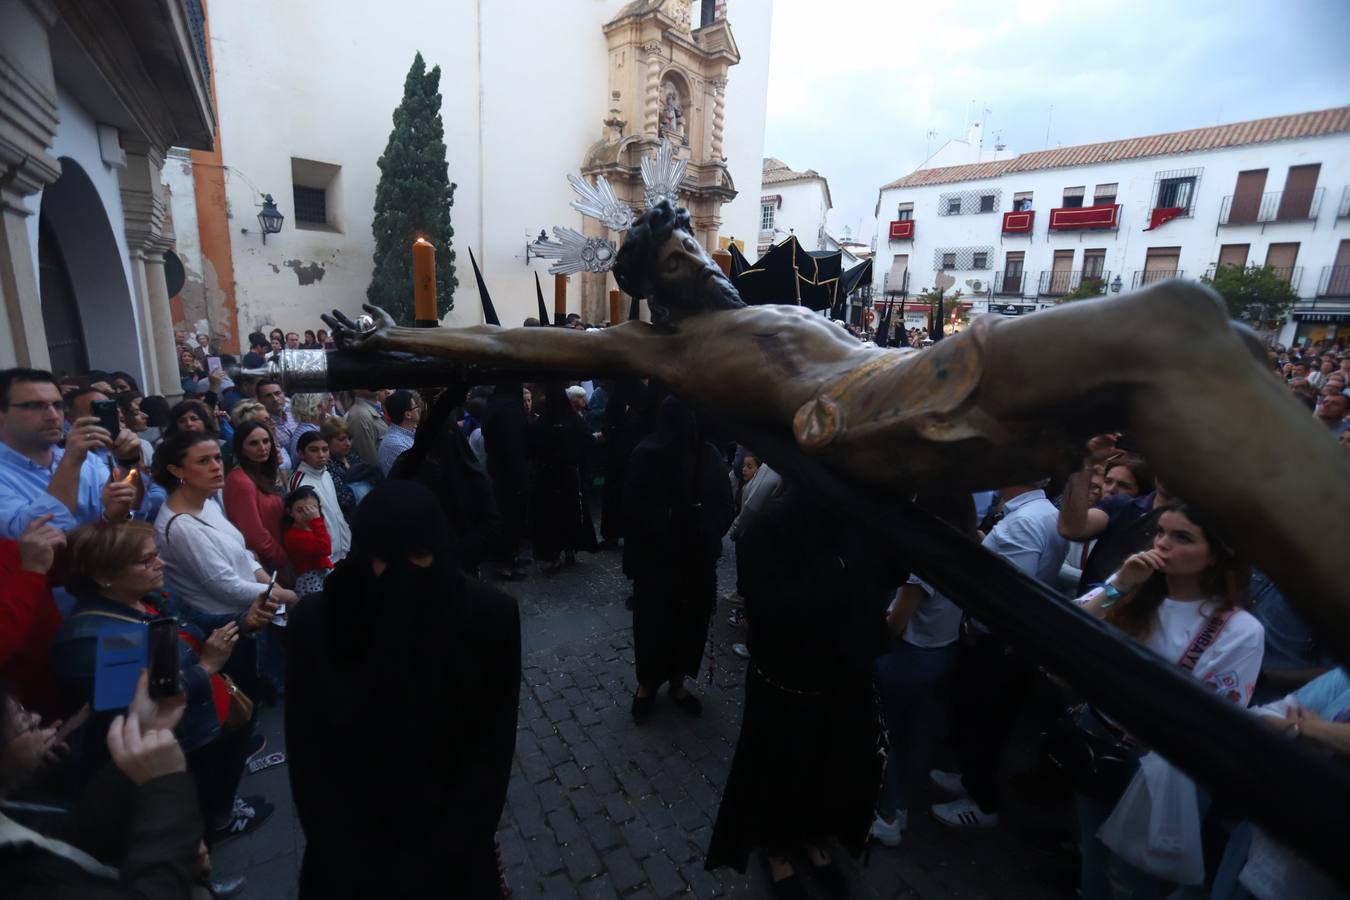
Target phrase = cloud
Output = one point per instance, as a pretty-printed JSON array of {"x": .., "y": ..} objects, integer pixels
[{"x": 855, "y": 88}]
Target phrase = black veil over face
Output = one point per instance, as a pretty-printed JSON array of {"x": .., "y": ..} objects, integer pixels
[{"x": 399, "y": 519}]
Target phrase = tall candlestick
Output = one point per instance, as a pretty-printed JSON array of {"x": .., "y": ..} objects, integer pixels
[
  {"x": 559, "y": 299},
  {"x": 424, "y": 283},
  {"x": 614, "y": 308}
]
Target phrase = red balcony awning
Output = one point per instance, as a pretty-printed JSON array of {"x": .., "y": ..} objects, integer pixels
[
  {"x": 1019, "y": 222},
  {"x": 902, "y": 230},
  {"x": 1164, "y": 214},
  {"x": 1073, "y": 218}
]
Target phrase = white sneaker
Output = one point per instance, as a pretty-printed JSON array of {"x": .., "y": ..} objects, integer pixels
[
  {"x": 888, "y": 833},
  {"x": 964, "y": 813},
  {"x": 949, "y": 782}
]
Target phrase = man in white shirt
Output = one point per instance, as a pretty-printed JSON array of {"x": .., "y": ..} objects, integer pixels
[{"x": 989, "y": 684}]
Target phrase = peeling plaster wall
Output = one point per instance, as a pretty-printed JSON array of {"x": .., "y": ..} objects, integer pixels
[{"x": 525, "y": 92}]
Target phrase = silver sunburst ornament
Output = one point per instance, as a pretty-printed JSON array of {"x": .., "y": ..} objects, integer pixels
[
  {"x": 574, "y": 251},
  {"x": 601, "y": 203},
  {"x": 662, "y": 175}
]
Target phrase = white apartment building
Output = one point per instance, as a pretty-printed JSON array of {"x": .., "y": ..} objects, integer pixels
[
  {"x": 792, "y": 203},
  {"x": 1014, "y": 235}
]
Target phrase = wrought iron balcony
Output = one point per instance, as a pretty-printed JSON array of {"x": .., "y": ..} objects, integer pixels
[
  {"x": 1057, "y": 284},
  {"x": 902, "y": 230},
  {"x": 1290, "y": 275},
  {"x": 901, "y": 290},
  {"x": 1335, "y": 282},
  {"x": 1343, "y": 211},
  {"x": 1009, "y": 284},
  {"x": 1273, "y": 206},
  {"x": 1144, "y": 277}
]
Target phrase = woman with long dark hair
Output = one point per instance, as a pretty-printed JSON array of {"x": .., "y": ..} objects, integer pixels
[
  {"x": 446, "y": 665},
  {"x": 253, "y": 494},
  {"x": 1182, "y": 598}
]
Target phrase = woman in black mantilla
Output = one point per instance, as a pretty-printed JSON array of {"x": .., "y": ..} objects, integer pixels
[
  {"x": 807, "y": 766},
  {"x": 404, "y": 682},
  {"x": 677, "y": 506}
]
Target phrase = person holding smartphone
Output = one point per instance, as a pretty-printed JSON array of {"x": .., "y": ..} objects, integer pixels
[
  {"x": 118, "y": 575},
  {"x": 38, "y": 475}
]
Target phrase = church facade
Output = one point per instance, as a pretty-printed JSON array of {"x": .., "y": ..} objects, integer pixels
[{"x": 531, "y": 92}]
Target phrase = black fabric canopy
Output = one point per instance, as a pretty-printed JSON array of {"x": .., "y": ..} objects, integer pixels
[{"x": 790, "y": 274}]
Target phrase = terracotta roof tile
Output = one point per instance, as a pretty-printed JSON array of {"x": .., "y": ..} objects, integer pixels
[{"x": 1218, "y": 137}]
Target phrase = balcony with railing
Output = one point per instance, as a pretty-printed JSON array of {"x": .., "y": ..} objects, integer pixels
[
  {"x": 895, "y": 290},
  {"x": 1343, "y": 211},
  {"x": 1290, "y": 275},
  {"x": 1009, "y": 284},
  {"x": 902, "y": 230},
  {"x": 1273, "y": 206},
  {"x": 1059, "y": 283},
  {"x": 1100, "y": 217},
  {"x": 1145, "y": 277},
  {"x": 1335, "y": 282}
]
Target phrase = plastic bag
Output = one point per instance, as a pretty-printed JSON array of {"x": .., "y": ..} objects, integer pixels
[{"x": 1156, "y": 825}]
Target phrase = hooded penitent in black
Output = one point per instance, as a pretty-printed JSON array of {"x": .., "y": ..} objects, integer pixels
[
  {"x": 401, "y": 713},
  {"x": 560, "y": 512},
  {"x": 677, "y": 506}
]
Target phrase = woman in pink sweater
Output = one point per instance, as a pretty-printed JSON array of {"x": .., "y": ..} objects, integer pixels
[{"x": 253, "y": 494}]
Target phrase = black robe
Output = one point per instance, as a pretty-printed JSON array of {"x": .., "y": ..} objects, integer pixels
[
  {"x": 560, "y": 512},
  {"x": 401, "y": 717},
  {"x": 506, "y": 446},
  {"x": 677, "y": 506},
  {"x": 808, "y": 761}
]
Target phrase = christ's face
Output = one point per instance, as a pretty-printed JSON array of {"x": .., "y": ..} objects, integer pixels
[{"x": 684, "y": 271}]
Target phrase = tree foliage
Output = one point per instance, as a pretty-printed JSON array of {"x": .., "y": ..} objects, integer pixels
[
  {"x": 413, "y": 198},
  {"x": 1087, "y": 289},
  {"x": 1256, "y": 295}
]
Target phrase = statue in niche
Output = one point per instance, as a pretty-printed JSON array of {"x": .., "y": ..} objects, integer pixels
[{"x": 672, "y": 111}]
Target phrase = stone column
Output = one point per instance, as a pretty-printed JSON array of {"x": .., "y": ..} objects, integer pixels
[
  {"x": 719, "y": 86},
  {"x": 651, "y": 110},
  {"x": 28, "y": 122},
  {"x": 143, "y": 211}
]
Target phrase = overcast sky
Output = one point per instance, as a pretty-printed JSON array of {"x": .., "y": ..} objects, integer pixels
[{"x": 854, "y": 88}]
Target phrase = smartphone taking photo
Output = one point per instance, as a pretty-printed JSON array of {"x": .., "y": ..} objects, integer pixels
[
  {"x": 162, "y": 647},
  {"x": 106, "y": 413}
]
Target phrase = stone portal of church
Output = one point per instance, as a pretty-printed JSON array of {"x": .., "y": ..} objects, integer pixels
[{"x": 667, "y": 79}]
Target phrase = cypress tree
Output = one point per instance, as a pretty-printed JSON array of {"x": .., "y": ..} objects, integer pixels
[{"x": 413, "y": 198}]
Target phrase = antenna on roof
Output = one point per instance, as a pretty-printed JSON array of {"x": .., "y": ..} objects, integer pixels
[{"x": 1048, "y": 118}]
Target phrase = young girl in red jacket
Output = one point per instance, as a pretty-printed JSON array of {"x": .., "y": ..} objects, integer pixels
[{"x": 306, "y": 538}]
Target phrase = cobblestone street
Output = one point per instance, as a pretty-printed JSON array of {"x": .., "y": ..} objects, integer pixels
[{"x": 598, "y": 808}]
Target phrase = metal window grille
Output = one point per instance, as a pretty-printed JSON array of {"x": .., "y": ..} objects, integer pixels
[
  {"x": 962, "y": 258},
  {"x": 311, "y": 205},
  {"x": 1177, "y": 188},
  {"x": 965, "y": 203}
]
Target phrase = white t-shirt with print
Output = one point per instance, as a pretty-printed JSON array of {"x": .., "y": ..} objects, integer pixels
[{"x": 1229, "y": 665}]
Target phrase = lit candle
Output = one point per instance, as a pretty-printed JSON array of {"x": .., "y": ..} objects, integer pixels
[
  {"x": 424, "y": 283},
  {"x": 559, "y": 299},
  {"x": 614, "y": 307}
]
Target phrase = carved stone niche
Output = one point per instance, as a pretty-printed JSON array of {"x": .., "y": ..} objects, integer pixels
[{"x": 666, "y": 79}]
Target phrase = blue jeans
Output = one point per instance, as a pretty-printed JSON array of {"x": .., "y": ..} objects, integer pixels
[{"x": 907, "y": 678}]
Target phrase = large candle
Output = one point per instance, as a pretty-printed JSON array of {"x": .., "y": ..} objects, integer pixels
[
  {"x": 614, "y": 308},
  {"x": 424, "y": 283},
  {"x": 559, "y": 299}
]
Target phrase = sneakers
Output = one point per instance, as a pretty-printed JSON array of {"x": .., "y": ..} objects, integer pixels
[
  {"x": 888, "y": 833},
  {"x": 737, "y": 617},
  {"x": 741, "y": 650},
  {"x": 964, "y": 813},
  {"x": 240, "y": 823},
  {"x": 949, "y": 782}
]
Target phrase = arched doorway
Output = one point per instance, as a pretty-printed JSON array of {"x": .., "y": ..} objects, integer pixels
[
  {"x": 87, "y": 309},
  {"x": 60, "y": 312}
]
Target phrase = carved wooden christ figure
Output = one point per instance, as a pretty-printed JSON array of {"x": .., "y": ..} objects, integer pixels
[{"x": 1007, "y": 401}]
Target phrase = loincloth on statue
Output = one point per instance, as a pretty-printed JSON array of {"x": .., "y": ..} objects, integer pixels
[{"x": 914, "y": 411}]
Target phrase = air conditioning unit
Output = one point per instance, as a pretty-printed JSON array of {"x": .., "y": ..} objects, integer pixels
[{"x": 977, "y": 285}]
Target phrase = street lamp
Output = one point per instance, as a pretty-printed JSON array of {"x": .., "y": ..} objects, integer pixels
[
  {"x": 270, "y": 219},
  {"x": 1115, "y": 284}
]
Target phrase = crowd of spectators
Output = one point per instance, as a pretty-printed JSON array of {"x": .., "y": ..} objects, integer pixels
[{"x": 233, "y": 509}]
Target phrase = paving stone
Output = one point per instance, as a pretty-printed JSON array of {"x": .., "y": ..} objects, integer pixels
[{"x": 625, "y": 871}]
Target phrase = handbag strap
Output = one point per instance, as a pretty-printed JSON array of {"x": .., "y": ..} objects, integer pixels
[
  {"x": 169, "y": 524},
  {"x": 108, "y": 615},
  {"x": 1204, "y": 639}
]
